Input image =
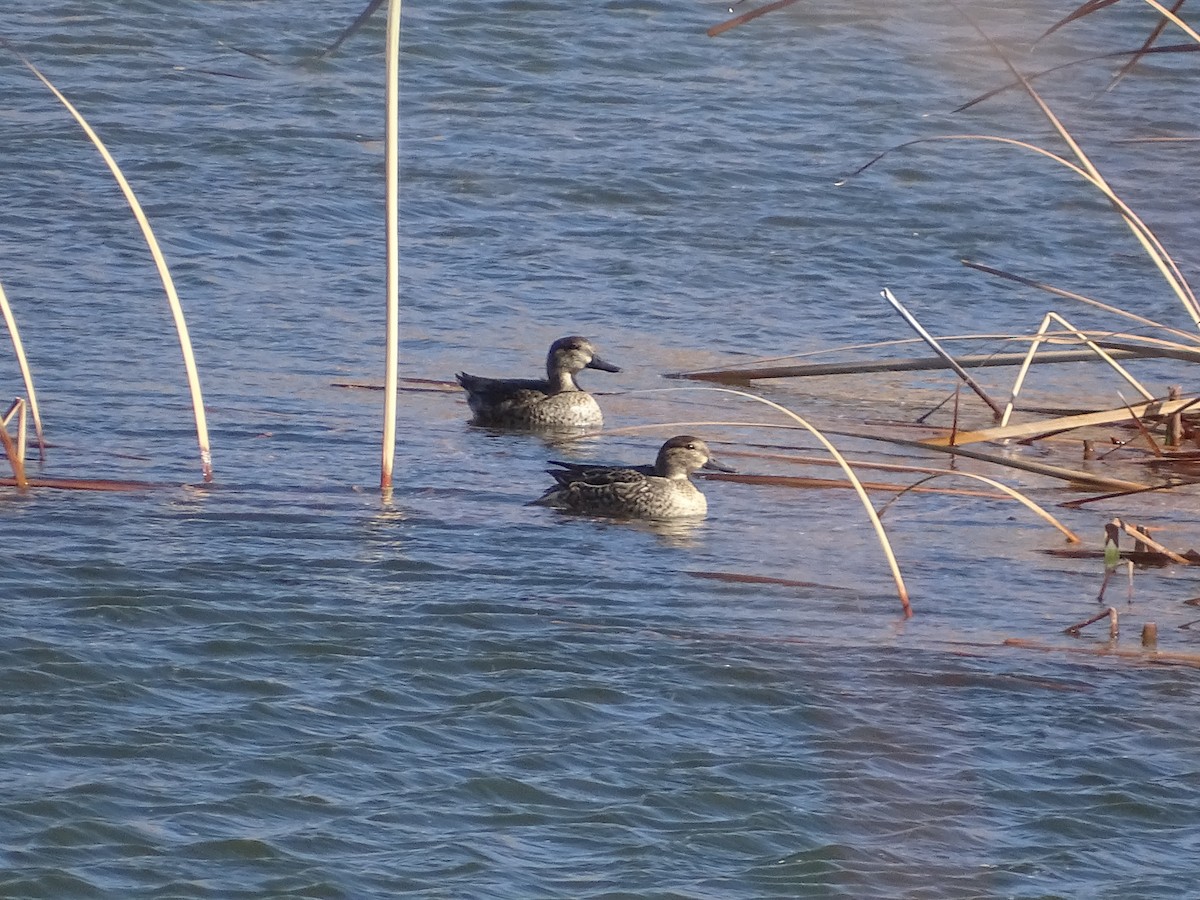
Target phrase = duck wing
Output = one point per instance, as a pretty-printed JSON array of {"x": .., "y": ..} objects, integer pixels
[
  {"x": 592, "y": 473},
  {"x": 499, "y": 390},
  {"x": 613, "y": 491}
]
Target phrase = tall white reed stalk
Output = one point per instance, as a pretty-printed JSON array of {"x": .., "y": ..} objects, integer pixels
[{"x": 392, "y": 164}]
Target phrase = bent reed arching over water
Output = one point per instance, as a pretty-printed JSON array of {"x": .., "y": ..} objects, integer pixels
[
  {"x": 557, "y": 402},
  {"x": 661, "y": 491}
]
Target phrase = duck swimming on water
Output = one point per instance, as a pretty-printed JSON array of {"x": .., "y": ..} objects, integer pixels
[
  {"x": 661, "y": 491},
  {"x": 556, "y": 402}
]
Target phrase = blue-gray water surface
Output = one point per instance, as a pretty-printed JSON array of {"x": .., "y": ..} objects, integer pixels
[{"x": 283, "y": 685}]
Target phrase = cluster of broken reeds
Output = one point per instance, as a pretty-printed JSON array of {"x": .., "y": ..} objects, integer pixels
[
  {"x": 16, "y": 449},
  {"x": 1166, "y": 427}
]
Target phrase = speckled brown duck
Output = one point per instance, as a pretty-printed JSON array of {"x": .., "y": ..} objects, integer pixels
[
  {"x": 661, "y": 491},
  {"x": 556, "y": 402}
]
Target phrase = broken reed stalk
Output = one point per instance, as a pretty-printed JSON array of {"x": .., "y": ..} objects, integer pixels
[
  {"x": 392, "y": 151},
  {"x": 26, "y": 374},
  {"x": 1174, "y": 19},
  {"x": 1071, "y": 537},
  {"x": 1022, "y": 430},
  {"x": 1072, "y": 476},
  {"x": 1071, "y": 295},
  {"x": 747, "y": 17},
  {"x": 160, "y": 262},
  {"x": 1037, "y": 343},
  {"x": 884, "y": 543},
  {"x": 352, "y": 27},
  {"x": 1154, "y": 545},
  {"x": 1140, "y": 655},
  {"x": 1149, "y": 241},
  {"x": 18, "y": 408},
  {"x": 937, "y": 348},
  {"x": 14, "y": 458},
  {"x": 1141, "y": 231},
  {"x": 1142, "y": 429},
  {"x": 1187, "y": 352},
  {"x": 1147, "y": 45},
  {"x": 1110, "y": 613},
  {"x": 928, "y": 363}
]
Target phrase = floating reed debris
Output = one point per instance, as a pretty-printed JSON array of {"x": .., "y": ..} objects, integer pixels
[
  {"x": 811, "y": 483},
  {"x": 729, "y": 24},
  {"x": 1083, "y": 501},
  {"x": 1072, "y": 476},
  {"x": 928, "y": 363},
  {"x": 1154, "y": 409},
  {"x": 1155, "y": 656},
  {"x": 81, "y": 484},
  {"x": 741, "y": 578},
  {"x": 1137, "y": 557},
  {"x": 1110, "y": 614}
]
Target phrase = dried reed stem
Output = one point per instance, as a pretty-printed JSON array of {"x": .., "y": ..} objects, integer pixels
[
  {"x": 1071, "y": 295},
  {"x": 1000, "y": 486},
  {"x": 1138, "y": 535},
  {"x": 1037, "y": 342},
  {"x": 181, "y": 328},
  {"x": 747, "y": 17},
  {"x": 1156, "y": 656},
  {"x": 1063, "y": 423},
  {"x": 1170, "y": 16},
  {"x": 1079, "y": 626},
  {"x": 18, "y": 408},
  {"x": 14, "y": 458},
  {"x": 927, "y": 363},
  {"x": 26, "y": 374},
  {"x": 1072, "y": 476},
  {"x": 880, "y": 533},
  {"x": 937, "y": 348},
  {"x": 1149, "y": 241},
  {"x": 392, "y": 151}
]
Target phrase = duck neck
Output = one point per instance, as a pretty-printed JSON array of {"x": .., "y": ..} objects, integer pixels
[
  {"x": 667, "y": 469},
  {"x": 561, "y": 381}
]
